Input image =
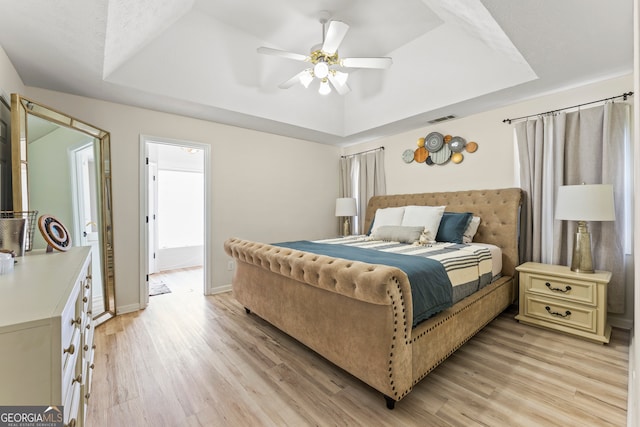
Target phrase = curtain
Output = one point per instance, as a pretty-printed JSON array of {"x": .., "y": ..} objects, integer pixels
[
  {"x": 361, "y": 177},
  {"x": 589, "y": 146}
]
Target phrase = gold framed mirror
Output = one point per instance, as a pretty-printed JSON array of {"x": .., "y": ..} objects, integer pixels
[{"x": 62, "y": 166}]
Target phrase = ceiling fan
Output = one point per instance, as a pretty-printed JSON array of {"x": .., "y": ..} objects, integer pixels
[{"x": 327, "y": 66}]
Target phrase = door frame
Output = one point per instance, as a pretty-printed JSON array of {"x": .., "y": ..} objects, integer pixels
[{"x": 144, "y": 197}]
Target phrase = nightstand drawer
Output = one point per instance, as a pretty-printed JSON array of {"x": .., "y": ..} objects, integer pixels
[
  {"x": 559, "y": 312},
  {"x": 566, "y": 289}
]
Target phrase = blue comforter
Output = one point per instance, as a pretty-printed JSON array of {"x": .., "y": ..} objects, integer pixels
[{"x": 431, "y": 289}]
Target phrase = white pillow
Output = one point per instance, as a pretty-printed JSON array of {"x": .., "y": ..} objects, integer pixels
[
  {"x": 471, "y": 230},
  {"x": 387, "y": 216},
  {"x": 428, "y": 217}
]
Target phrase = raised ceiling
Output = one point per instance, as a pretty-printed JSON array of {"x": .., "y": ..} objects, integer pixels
[{"x": 198, "y": 57}]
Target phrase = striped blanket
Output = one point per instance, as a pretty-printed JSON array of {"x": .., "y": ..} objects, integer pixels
[{"x": 469, "y": 267}]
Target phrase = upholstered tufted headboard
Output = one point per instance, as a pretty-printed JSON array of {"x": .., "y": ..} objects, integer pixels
[{"x": 499, "y": 211}]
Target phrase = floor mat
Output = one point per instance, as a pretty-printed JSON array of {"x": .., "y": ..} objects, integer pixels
[{"x": 158, "y": 288}]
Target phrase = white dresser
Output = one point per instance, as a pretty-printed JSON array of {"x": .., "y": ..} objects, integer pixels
[{"x": 46, "y": 332}]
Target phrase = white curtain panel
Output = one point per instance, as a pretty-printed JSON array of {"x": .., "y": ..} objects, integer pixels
[
  {"x": 589, "y": 146},
  {"x": 362, "y": 177}
]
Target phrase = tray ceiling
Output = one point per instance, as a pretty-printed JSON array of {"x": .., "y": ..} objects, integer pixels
[{"x": 198, "y": 57}]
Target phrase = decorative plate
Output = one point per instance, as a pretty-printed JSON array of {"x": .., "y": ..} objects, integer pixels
[
  {"x": 420, "y": 155},
  {"x": 434, "y": 141},
  {"x": 54, "y": 233},
  {"x": 429, "y": 161},
  {"x": 420, "y": 142},
  {"x": 457, "y": 144},
  {"x": 407, "y": 155},
  {"x": 441, "y": 156},
  {"x": 447, "y": 138},
  {"x": 472, "y": 146}
]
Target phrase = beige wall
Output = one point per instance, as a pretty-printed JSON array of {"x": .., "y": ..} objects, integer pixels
[
  {"x": 10, "y": 81},
  {"x": 264, "y": 187},
  {"x": 492, "y": 166}
]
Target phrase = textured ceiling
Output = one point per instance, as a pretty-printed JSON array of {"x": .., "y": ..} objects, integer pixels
[{"x": 198, "y": 57}]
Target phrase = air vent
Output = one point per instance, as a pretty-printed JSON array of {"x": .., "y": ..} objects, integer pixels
[{"x": 442, "y": 119}]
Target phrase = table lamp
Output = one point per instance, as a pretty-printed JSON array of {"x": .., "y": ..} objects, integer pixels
[
  {"x": 346, "y": 207},
  {"x": 584, "y": 203}
]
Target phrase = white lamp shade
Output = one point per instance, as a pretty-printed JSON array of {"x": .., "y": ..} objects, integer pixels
[
  {"x": 346, "y": 206},
  {"x": 585, "y": 203}
]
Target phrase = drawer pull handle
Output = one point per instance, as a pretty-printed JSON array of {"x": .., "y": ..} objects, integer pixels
[
  {"x": 85, "y": 299},
  {"x": 92, "y": 366},
  {"x": 87, "y": 286},
  {"x": 70, "y": 350},
  {"x": 93, "y": 346},
  {"x": 86, "y": 347},
  {"x": 567, "y": 288},
  {"x": 87, "y": 396},
  {"x": 76, "y": 321},
  {"x": 89, "y": 326},
  {"x": 72, "y": 423},
  {"x": 555, "y": 313},
  {"x": 77, "y": 379}
]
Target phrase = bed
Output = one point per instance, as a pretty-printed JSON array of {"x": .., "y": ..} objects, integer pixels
[{"x": 359, "y": 315}]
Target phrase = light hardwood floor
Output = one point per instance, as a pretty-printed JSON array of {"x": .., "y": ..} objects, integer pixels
[{"x": 190, "y": 360}]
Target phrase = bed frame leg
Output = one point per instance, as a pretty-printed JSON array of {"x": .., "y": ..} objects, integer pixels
[
  {"x": 390, "y": 402},
  {"x": 247, "y": 310}
]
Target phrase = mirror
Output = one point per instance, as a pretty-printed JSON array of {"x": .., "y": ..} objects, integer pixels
[{"x": 61, "y": 167}]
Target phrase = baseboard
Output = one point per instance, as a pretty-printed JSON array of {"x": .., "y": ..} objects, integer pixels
[
  {"x": 617, "y": 322},
  {"x": 219, "y": 290},
  {"x": 634, "y": 383},
  {"x": 130, "y": 308}
]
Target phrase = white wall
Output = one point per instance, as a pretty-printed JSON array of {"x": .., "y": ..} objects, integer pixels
[
  {"x": 10, "y": 81},
  {"x": 633, "y": 407},
  {"x": 265, "y": 187}
]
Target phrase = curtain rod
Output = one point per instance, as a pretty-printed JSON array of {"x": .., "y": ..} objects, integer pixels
[
  {"x": 623, "y": 96},
  {"x": 362, "y": 152}
]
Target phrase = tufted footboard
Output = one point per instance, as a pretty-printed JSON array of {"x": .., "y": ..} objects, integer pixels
[{"x": 356, "y": 315}]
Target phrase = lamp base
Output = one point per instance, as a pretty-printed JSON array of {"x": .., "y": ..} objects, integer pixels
[
  {"x": 582, "y": 261},
  {"x": 346, "y": 227}
]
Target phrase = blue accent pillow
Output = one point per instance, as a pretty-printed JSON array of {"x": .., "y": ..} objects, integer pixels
[{"x": 452, "y": 226}]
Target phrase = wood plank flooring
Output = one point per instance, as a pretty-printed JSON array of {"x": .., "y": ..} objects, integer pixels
[{"x": 190, "y": 360}]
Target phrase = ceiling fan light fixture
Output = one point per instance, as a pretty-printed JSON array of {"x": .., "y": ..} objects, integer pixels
[
  {"x": 321, "y": 70},
  {"x": 325, "y": 88},
  {"x": 340, "y": 77},
  {"x": 306, "y": 78}
]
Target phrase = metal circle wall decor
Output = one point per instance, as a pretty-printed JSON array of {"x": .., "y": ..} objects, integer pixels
[
  {"x": 434, "y": 141},
  {"x": 457, "y": 144},
  {"x": 54, "y": 233},
  {"x": 439, "y": 150},
  {"x": 441, "y": 156},
  {"x": 407, "y": 155},
  {"x": 420, "y": 155}
]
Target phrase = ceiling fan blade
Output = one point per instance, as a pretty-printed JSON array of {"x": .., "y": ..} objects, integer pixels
[
  {"x": 282, "y": 53},
  {"x": 292, "y": 81},
  {"x": 367, "y": 62},
  {"x": 342, "y": 89},
  {"x": 336, "y": 32}
]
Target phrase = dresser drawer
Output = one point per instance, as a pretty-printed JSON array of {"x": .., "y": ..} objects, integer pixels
[
  {"x": 569, "y": 290},
  {"x": 561, "y": 313},
  {"x": 70, "y": 360}
]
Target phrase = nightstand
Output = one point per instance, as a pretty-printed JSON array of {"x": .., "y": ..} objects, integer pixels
[{"x": 554, "y": 297}]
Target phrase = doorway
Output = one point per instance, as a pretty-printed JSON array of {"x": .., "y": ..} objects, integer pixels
[{"x": 175, "y": 223}]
